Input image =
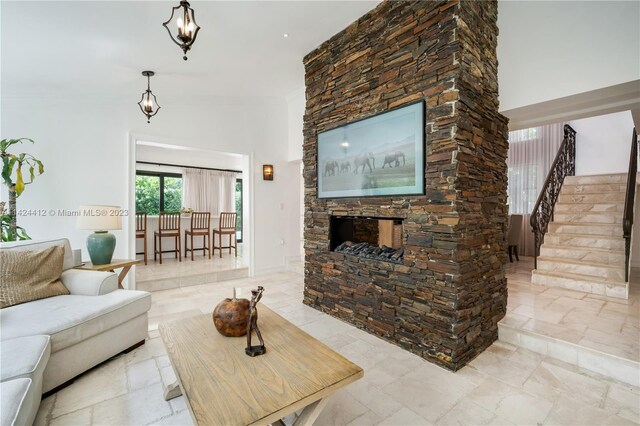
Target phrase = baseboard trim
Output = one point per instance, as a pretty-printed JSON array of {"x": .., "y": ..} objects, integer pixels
[{"x": 292, "y": 259}]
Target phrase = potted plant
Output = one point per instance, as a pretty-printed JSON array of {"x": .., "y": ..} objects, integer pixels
[{"x": 12, "y": 177}]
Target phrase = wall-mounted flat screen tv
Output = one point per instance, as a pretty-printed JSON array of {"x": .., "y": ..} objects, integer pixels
[{"x": 377, "y": 156}]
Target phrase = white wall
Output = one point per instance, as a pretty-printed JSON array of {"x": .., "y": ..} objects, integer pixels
[
  {"x": 295, "y": 117},
  {"x": 186, "y": 157},
  {"x": 635, "y": 237},
  {"x": 603, "y": 143},
  {"x": 551, "y": 49},
  {"x": 292, "y": 211},
  {"x": 85, "y": 149}
]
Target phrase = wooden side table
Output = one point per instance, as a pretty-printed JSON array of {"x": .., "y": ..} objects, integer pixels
[{"x": 125, "y": 264}]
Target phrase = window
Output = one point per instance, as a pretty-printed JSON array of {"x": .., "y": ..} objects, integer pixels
[
  {"x": 523, "y": 188},
  {"x": 156, "y": 192},
  {"x": 239, "y": 194},
  {"x": 523, "y": 135}
]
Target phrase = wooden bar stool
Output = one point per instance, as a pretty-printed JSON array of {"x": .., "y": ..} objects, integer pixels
[
  {"x": 141, "y": 232},
  {"x": 200, "y": 225},
  {"x": 226, "y": 226},
  {"x": 168, "y": 226}
]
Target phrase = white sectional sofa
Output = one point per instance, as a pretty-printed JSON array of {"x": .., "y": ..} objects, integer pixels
[{"x": 45, "y": 343}]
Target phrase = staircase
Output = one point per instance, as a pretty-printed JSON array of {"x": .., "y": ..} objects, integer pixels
[{"x": 584, "y": 247}]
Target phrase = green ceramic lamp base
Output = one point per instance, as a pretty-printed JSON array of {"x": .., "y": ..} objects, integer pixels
[{"x": 101, "y": 245}]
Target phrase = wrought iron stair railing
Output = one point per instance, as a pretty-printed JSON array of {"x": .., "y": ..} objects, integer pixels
[
  {"x": 627, "y": 221},
  {"x": 563, "y": 165}
]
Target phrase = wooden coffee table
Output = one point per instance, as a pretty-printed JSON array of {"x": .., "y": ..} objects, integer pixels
[{"x": 223, "y": 386}]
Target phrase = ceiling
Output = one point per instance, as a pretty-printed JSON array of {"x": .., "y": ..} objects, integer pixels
[{"x": 98, "y": 49}]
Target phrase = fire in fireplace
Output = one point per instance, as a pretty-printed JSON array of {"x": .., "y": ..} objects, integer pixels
[{"x": 367, "y": 237}]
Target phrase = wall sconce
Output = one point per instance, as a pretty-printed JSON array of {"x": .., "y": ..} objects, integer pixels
[{"x": 267, "y": 172}]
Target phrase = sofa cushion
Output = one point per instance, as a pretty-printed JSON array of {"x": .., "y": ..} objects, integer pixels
[
  {"x": 30, "y": 275},
  {"x": 15, "y": 404},
  {"x": 71, "y": 319},
  {"x": 41, "y": 245},
  {"x": 24, "y": 357}
]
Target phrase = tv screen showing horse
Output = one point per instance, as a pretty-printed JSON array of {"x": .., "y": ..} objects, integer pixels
[{"x": 375, "y": 156}]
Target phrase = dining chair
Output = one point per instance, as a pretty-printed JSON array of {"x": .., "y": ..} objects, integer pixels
[
  {"x": 226, "y": 226},
  {"x": 168, "y": 226},
  {"x": 513, "y": 235},
  {"x": 141, "y": 232},
  {"x": 200, "y": 226}
]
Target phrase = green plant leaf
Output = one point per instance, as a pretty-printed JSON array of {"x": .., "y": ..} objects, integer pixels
[
  {"x": 7, "y": 169},
  {"x": 19, "y": 180},
  {"x": 6, "y": 173},
  {"x": 6, "y": 143},
  {"x": 9, "y": 164},
  {"x": 21, "y": 233}
]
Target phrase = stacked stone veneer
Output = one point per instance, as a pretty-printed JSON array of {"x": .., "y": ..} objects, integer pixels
[
  {"x": 444, "y": 302},
  {"x": 366, "y": 230}
]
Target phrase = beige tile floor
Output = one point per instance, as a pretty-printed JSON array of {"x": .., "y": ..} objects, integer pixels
[
  {"x": 603, "y": 323},
  {"x": 504, "y": 385}
]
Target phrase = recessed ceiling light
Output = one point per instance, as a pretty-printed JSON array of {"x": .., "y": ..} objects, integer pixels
[{"x": 285, "y": 35}]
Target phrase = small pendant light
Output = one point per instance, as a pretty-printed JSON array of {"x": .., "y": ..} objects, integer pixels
[
  {"x": 148, "y": 104},
  {"x": 186, "y": 29}
]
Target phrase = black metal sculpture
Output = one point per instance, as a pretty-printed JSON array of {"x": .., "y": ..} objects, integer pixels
[{"x": 252, "y": 324}]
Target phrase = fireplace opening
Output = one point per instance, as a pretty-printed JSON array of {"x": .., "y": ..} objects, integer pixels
[{"x": 367, "y": 237}]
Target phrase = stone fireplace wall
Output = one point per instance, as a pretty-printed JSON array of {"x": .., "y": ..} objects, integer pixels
[
  {"x": 366, "y": 230},
  {"x": 444, "y": 301}
]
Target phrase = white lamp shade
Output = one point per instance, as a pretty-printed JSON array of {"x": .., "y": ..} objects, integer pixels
[{"x": 99, "y": 218}]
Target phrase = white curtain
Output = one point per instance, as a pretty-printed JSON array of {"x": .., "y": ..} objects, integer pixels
[
  {"x": 209, "y": 191},
  {"x": 531, "y": 152}
]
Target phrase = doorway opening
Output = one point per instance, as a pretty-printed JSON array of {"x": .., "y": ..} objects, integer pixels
[{"x": 186, "y": 182}]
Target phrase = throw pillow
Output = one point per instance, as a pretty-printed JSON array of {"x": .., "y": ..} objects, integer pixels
[{"x": 30, "y": 275}]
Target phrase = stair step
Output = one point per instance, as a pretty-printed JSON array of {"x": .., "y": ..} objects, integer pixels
[
  {"x": 594, "y": 188},
  {"x": 584, "y": 248},
  {"x": 588, "y": 217},
  {"x": 586, "y": 228},
  {"x": 585, "y": 254},
  {"x": 589, "y": 207},
  {"x": 611, "y": 197},
  {"x": 596, "y": 179},
  {"x": 584, "y": 240},
  {"x": 186, "y": 279},
  {"x": 578, "y": 282},
  {"x": 610, "y": 365},
  {"x": 597, "y": 271}
]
